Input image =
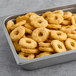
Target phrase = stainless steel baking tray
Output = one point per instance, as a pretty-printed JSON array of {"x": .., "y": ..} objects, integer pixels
[{"x": 31, "y": 64}]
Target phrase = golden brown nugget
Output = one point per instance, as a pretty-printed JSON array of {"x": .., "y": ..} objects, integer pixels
[
  {"x": 28, "y": 25},
  {"x": 43, "y": 54},
  {"x": 53, "y": 26},
  {"x": 21, "y": 23},
  {"x": 74, "y": 15},
  {"x": 43, "y": 44},
  {"x": 28, "y": 31},
  {"x": 58, "y": 46},
  {"x": 59, "y": 12},
  {"x": 17, "y": 33},
  {"x": 66, "y": 22},
  {"x": 20, "y": 18},
  {"x": 55, "y": 19},
  {"x": 29, "y": 51},
  {"x": 33, "y": 17},
  {"x": 72, "y": 35},
  {"x": 28, "y": 15},
  {"x": 68, "y": 29},
  {"x": 28, "y": 43},
  {"x": 10, "y": 23},
  {"x": 70, "y": 44},
  {"x": 73, "y": 21},
  {"x": 17, "y": 46},
  {"x": 40, "y": 34},
  {"x": 46, "y": 15},
  {"x": 67, "y": 15},
  {"x": 39, "y": 22},
  {"x": 26, "y": 56},
  {"x": 46, "y": 49},
  {"x": 58, "y": 35}
]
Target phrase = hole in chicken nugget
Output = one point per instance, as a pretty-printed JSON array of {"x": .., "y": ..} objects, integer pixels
[
  {"x": 40, "y": 34},
  {"x": 28, "y": 41},
  {"x": 72, "y": 43},
  {"x": 58, "y": 33},
  {"x": 40, "y": 21},
  {"x": 17, "y": 32},
  {"x": 59, "y": 46}
]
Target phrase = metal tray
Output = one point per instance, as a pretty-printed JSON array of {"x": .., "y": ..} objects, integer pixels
[{"x": 31, "y": 64}]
